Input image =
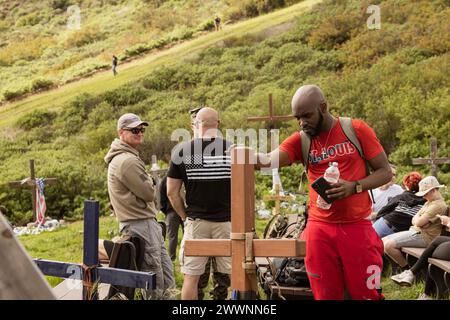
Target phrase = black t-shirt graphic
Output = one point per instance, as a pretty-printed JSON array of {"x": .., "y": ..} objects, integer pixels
[{"x": 205, "y": 169}]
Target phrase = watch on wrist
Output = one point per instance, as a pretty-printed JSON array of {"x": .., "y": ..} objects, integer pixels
[{"x": 358, "y": 187}]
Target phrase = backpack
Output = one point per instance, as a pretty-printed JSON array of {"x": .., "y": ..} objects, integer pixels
[
  {"x": 127, "y": 253},
  {"x": 349, "y": 132}
]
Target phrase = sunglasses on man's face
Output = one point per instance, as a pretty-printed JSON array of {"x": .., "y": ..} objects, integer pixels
[{"x": 135, "y": 130}]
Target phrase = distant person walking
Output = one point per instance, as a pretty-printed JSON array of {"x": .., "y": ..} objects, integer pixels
[
  {"x": 114, "y": 65},
  {"x": 217, "y": 23}
]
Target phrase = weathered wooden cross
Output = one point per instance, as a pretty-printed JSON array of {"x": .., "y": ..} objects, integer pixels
[
  {"x": 271, "y": 118},
  {"x": 278, "y": 198},
  {"x": 30, "y": 183},
  {"x": 241, "y": 246},
  {"x": 433, "y": 160},
  {"x": 90, "y": 271}
]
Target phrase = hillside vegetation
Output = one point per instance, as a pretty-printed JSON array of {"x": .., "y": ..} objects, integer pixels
[
  {"x": 44, "y": 44},
  {"x": 395, "y": 78}
]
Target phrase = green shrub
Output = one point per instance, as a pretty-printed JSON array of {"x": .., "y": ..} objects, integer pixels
[
  {"x": 41, "y": 84},
  {"x": 124, "y": 96},
  {"x": 60, "y": 4},
  {"x": 87, "y": 35},
  {"x": 36, "y": 118},
  {"x": 11, "y": 94}
]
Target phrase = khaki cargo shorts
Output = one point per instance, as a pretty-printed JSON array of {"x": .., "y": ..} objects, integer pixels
[{"x": 204, "y": 229}]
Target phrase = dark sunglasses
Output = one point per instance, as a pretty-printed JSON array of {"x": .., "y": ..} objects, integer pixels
[{"x": 135, "y": 130}]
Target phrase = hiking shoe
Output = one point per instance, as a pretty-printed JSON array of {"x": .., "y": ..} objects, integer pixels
[
  {"x": 406, "y": 278},
  {"x": 424, "y": 296}
]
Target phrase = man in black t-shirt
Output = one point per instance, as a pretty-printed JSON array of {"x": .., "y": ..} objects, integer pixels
[{"x": 204, "y": 168}]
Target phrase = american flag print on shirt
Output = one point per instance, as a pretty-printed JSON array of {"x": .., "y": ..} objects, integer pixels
[{"x": 207, "y": 167}]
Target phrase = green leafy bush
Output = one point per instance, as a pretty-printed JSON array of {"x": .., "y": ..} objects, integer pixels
[
  {"x": 36, "y": 118},
  {"x": 41, "y": 84}
]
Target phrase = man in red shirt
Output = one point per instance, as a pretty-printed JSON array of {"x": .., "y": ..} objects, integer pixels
[{"x": 343, "y": 250}]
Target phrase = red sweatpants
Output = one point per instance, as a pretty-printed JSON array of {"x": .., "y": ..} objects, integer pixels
[{"x": 346, "y": 255}]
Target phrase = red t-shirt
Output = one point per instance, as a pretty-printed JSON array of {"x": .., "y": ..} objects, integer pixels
[{"x": 351, "y": 167}]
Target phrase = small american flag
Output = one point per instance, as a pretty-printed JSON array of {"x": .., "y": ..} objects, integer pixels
[{"x": 41, "y": 207}]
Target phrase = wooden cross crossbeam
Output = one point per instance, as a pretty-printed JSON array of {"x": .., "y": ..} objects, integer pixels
[
  {"x": 90, "y": 271},
  {"x": 433, "y": 160},
  {"x": 278, "y": 198},
  {"x": 271, "y": 118},
  {"x": 30, "y": 183},
  {"x": 242, "y": 247}
]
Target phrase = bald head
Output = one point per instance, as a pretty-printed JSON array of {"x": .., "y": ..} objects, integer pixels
[
  {"x": 208, "y": 118},
  {"x": 310, "y": 109},
  {"x": 309, "y": 94}
]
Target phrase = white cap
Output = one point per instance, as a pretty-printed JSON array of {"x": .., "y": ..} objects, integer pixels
[{"x": 427, "y": 184}]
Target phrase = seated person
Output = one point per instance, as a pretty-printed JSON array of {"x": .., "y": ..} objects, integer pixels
[
  {"x": 426, "y": 225},
  {"x": 381, "y": 195},
  {"x": 397, "y": 215},
  {"x": 439, "y": 249}
]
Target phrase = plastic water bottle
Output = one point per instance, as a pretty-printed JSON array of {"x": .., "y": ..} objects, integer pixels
[{"x": 332, "y": 176}]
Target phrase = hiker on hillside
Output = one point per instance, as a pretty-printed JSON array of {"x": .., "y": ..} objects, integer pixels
[
  {"x": 132, "y": 192},
  {"x": 204, "y": 168},
  {"x": 217, "y": 23},
  {"x": 343, "y": 250},
  {"x": 114, "y": 65}
]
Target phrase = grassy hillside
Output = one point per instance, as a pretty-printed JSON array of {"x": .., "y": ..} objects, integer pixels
[
  {"x": 47, "y": 43},
  {"x": 396, "y": 78}
]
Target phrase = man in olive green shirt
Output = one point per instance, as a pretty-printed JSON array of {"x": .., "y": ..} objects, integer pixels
[{"x": 426, "y": 224}]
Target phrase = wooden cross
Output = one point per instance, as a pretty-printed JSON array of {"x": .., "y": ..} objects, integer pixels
[
  {"x": 278, "y": 198},
  {"x": 271, "y": 118},
  {"x": 30, "y": 183},
  {"x": 433, "y": 160},
  {"x": 241, "y": 246},
  {"x": 91, "y": 272}
]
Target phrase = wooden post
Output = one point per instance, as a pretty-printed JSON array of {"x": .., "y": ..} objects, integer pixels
[
  {"x": 90, "y": 254},
  {"x": 242, "y": 220},
  {"x": 20, "y": 279},
  {"x": 33, "y": 190},
  {"x": 433, "y": 160}
]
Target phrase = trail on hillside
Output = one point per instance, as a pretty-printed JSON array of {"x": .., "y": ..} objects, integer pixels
[{"x": 137, "y": 68}]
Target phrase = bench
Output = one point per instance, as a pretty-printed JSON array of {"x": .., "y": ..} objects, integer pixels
[
  {"x": 438, "y": 270},
  {"x": 412, "y": 254}
]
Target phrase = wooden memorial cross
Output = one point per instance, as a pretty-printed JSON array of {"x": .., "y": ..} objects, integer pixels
[
  {"x": 91, "y": 272},
  {"x": 241, "y": 246},
  {"x": 31, "y": 184},
  {"x": 433, "y": 160},
  {"x": 271, "y": 118},
  {"x": 278, "y": 198}
]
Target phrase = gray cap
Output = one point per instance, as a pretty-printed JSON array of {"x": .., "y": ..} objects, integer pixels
[{"x": 130, "y": 120}]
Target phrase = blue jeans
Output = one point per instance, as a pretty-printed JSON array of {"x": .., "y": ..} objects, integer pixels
[{"x": 381, "y": 228}]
